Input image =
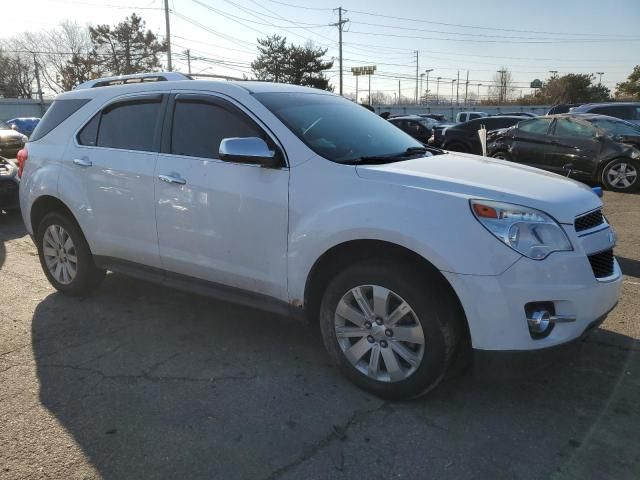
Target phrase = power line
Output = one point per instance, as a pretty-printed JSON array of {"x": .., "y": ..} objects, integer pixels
[{"x": 304, "y": 7}]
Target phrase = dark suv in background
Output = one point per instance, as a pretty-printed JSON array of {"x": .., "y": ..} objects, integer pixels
[{"x": 624, "y": 111}]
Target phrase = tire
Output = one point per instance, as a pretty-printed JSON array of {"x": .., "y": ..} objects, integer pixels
[
  {"x": 457, "y": 147},
  {"x": 432, "y": 317},
  {"x": 501, "y": 155},
  {"x": 621, "y": 175},
  {"x": 65, "y": 256}
]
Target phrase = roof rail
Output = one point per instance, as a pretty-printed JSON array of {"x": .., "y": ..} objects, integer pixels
[{"x": 135, "y": 78}]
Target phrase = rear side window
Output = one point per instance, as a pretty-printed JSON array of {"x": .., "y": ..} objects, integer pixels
[
  {"x": 624, "y": 112},
  {"x": 89, "y": 133},
  {"x": 130, "y": 125},
  {"x": 568, "y": 128},
  {"x": 539, "y": 126},
  {"x": 57, "y": 113},
  {"x": 199, "y": 127}
]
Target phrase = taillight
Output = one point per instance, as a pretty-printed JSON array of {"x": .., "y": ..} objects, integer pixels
[{"x": 22, "y": 160}]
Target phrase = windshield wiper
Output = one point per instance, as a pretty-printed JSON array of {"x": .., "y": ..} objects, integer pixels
[{"x": 409, "y": 152}]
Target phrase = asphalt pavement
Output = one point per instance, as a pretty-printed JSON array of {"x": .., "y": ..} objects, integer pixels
[{"x": 141, "y": 381}]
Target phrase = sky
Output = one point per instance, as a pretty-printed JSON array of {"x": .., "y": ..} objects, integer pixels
[{"x": 529, "y": 38}]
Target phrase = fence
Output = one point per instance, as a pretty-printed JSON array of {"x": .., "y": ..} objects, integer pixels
[
  {"x": 19, "y": 107},
  {"x": 450, "y": 112}
]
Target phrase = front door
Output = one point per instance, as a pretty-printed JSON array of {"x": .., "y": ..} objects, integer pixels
[
  {"x": 218, "y": 221},
  {"x": 576, "y": 149}
]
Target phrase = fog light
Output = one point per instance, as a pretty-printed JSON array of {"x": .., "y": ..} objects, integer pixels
[{"x": 539, "y": 321}]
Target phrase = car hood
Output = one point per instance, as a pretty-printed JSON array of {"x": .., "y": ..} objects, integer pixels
[
  {"x": 472, "y": 176},
  {"x": 9, "y": 134}
]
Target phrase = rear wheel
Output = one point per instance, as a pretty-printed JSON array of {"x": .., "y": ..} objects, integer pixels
[
  {"x": 65, "y": 256},
  {"x": 501, "y": 155},
  {"x": 389, "y": 329},
  {"x": 621, "y": 175}
]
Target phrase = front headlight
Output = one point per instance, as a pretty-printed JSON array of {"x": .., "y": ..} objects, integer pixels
[
  {"x": 528, "y": 231},
  {"x": 635, "y": 154}
]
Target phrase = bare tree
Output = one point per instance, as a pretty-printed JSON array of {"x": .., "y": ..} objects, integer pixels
[
  {"x": 16, "y": 75},
  {"x": 502, "y": 85}
]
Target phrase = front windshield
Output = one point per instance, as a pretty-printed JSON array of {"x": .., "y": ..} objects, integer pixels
[
  {"x": 428, "y": 124},
  {"x": 336, "y": 128},
  {"x": 616, "y": 127}
]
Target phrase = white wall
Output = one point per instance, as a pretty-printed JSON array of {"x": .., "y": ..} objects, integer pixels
[{"x": 18, "y": 107}]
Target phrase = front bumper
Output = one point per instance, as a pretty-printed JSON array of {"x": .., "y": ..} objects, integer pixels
[{"x": 494, "y": 305}]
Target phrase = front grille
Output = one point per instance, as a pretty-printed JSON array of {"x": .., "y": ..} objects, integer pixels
[
  {"x": 589, "y": 220},
  {"x": 602, "y": 263}
]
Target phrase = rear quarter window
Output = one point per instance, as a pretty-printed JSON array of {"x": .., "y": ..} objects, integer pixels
[{"x": 57, "y": 113}]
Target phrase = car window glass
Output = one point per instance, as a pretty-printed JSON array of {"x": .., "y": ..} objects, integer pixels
[
  {"x": 57, "y": 113},
  {"x": 89, "y": 133},
  {"x": 636, "y": 113},
  {"x": 129, "y": 125},
  {"x": 568, "y": 128},
  {"x": 618, "y": 111},
  {"x": 539, "y": 126},
  {"x": 199, "y": 127}
]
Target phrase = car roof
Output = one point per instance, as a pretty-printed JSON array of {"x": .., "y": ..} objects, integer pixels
[
  {"x": 587, "y": 106},
  {"x": 407, "y": 117}
]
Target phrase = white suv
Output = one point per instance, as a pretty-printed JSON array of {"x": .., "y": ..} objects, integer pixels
[{"x": 297, "y": 200}]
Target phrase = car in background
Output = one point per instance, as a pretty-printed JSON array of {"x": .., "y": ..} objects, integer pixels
[
  {"x": 625, "y": 111},
  {"x": 9, "y": 183},
  {"x": 436, "y": 116},
  {"x": 463, "y": 137},
  {"x": 562, "y": 108},
  {"x": 11, "y": 141},
  {"x": 515, "y": 114},
  {"x": 418, "y": 127},
  {"x": 24, "y": 125},
  {"x": 466, "y": 116},
  {"x": 590, "y": 148}
]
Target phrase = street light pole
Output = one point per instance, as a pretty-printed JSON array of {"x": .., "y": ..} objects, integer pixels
[
  {"x": 421, "y": 77},
  {"x": 479, "y": 85},
  {"x": 600, "y": 81},
  {"x": 438, "y": 89},
  {"x": 453, "y": 81}
]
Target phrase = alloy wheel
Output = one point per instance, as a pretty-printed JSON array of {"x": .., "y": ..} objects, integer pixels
[
  {"x": 60, "y": 254},
  {"x": 622, "y": 175},
  {"x": 379, "y": 333}
]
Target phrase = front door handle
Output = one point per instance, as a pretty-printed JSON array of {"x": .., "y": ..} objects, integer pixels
[
  {"x": 172, "y": 179},
  {"x": 82, "y": 162}
]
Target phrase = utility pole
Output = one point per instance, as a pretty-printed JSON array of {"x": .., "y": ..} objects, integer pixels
[
  {"x": 503, "y": 86},
  {"x": 417, "y": 68},
  {"x": 35, "y": 64},
  {"x": 168, "y": 34},
  {"x": 479, "y": 85},
  {"x": 458, "y": 89},
  {"x": 369, "y": 89},
  {"x": 357, "y": 88},
  {"x": 600, "y": 81},
  {"x": 399, "y": 97},
  {"x": 421, "y": 77},
  {"x": 453, "y": 81},
  {"x": 340, "y": 24},
  {"x": 466, "y": 88},
  {"x": 438, "y": 90},
  {"x": 189, "y": 61}
]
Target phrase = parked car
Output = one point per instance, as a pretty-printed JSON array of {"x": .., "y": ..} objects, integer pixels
[
  {"x": 436, "y": 116},
  {"x": 466, "y": 116},
  {"x": 418, "y": 127},
  {"x": 438, "y": 132},
  {"x": 9, "y": 183},
  {"x": 463, "y": 137},
  {"x": 24, "y": 125},
  {"x": 298, "y": 201},
  {"x": 625, "y": 111},
  {"x": 10, "y": 141},
  {"x": 562, "y": 108},
  {"x": 592, "y": 148}
]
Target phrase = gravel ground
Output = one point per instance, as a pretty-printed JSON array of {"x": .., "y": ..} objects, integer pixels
[{"x": 140, "y": 381}]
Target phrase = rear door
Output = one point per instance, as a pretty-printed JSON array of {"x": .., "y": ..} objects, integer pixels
[
  {"x": 111, "y": 165},
  {"x": 575, "y": 148},
  {"x": 222, "y": 222},
  {"x": 531, "y": 142}
]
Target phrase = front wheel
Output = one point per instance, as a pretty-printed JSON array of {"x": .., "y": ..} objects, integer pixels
[
  {"x": 501, "y": 155},
  {"x": 389, "y": 329},
  {"x": 65, "y": 255},
  {"x": 621, "y": 175}
]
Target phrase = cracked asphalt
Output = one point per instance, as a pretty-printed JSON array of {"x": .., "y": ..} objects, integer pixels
[{"x": 140, "y": 381}]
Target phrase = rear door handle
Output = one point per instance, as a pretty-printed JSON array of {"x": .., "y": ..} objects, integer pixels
[
  {"x": 82, "y": 162},
  {"x": 172, "y": 179}
]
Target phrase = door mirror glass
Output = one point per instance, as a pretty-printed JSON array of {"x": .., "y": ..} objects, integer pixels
[{"x": 247, "y": 149}]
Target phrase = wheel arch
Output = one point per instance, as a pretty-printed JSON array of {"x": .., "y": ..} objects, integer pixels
[
  {"x": 44, "y": 205},
  {"x": 334, "y": 260}
]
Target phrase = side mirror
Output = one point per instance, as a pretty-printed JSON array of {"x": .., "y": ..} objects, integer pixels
[
  {"x": 249, "y": 150},
  {"x": 14, "y": 126}
]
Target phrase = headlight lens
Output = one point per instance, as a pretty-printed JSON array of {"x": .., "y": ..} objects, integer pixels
[
  {"x": 528, "y": 231},
  {"x": 635, "y": 154}
]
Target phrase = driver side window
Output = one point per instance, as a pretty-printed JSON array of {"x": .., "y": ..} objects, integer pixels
[
  {"x": 199, "y": 126},
  {"x": 569, "y": 128}
]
